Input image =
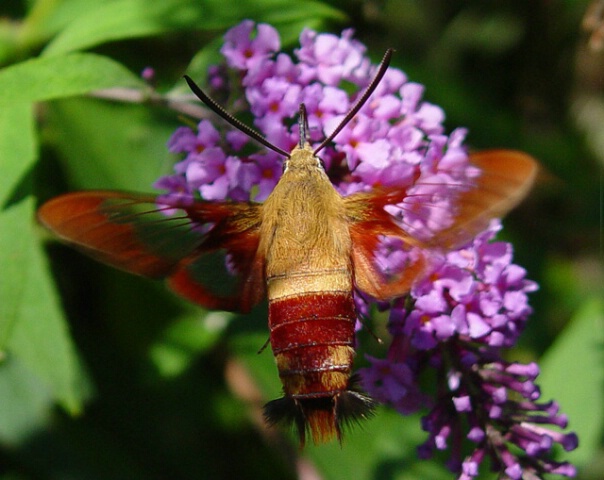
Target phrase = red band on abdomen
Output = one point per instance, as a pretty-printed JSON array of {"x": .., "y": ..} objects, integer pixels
[{"x": 312, "y": 337}]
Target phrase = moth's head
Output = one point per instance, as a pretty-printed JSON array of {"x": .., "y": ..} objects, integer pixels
[{"x": 302, "y": 157}]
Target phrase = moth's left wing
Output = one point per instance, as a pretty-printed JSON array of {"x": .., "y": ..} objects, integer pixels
[{"x": 207, "y": 251}]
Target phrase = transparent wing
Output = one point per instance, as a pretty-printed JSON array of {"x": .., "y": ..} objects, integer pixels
[
  {"x": 206, "y": 250},
  {"x": 439, "y": 211}
]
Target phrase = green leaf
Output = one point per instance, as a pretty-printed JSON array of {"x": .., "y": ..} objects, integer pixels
[
  {"x": 25, "y": 402},
  {"x": 17, "y": 156},
  {"x": 46, "y": 18},
  {"x": 125, "y": 19},
  {"x": 40, "y": 338},
  {"x": 573, "y": 375},
  {"x": 32, "y": 328},
  {"x": 130, "y": 154},
  {"x": 47, "y": 78},
  {"x": 128, "y": 19},
  {"x": 184, "y": 339}
]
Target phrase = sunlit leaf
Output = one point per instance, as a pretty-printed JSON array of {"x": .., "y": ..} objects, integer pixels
[
  {"x": 139, "y": 18},
  {"x": 17, "y": 156},
  {"x": 47, "y": 78},
  {"x": 33, "y": 330},
  {"x": 573, "y": 375}
]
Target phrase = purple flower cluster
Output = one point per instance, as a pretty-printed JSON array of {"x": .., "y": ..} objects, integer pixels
[
  {"x": 456, "y": 321},
  {"x": 454, "y": 325},
  {"x": 394, "y": 139}
]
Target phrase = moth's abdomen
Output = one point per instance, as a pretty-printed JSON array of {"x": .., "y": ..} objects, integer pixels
[{"x": 312, "y": 336}]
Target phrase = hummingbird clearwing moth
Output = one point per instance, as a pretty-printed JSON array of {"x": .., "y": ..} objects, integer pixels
[{"x": 306, "y": 249}]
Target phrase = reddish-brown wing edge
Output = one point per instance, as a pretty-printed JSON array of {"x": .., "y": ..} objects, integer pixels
[
  {"x": 369, "y": 221},
  {"x": 507, "y": 177},
  {"x": 78, "y": 219}
]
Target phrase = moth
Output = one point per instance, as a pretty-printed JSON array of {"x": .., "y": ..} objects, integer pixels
[{"x": 306, "y": 248}]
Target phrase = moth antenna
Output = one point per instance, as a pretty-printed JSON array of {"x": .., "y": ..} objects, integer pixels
[
  {"x": 230, "y": 119},
  {"x": 384, "y": 64}
]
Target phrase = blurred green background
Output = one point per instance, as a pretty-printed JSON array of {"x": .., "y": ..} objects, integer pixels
[{"x": 103, "y": 375}]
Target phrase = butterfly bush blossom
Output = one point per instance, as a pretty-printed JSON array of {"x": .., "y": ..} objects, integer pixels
[{"x": 455, "y": 322}]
